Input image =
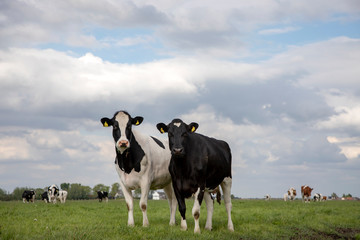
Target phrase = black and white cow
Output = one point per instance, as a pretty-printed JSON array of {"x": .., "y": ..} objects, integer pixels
[
  {"x": 318, "y": 197},
  {"x": 103, "y": 195},
  {"x": 141, "y": 162},
  {"x": 44, "y": 197},
  {"x": 54, "y": 193},
  {"x": 28, "y": 196},
  {"x": 198, "y": 165}
]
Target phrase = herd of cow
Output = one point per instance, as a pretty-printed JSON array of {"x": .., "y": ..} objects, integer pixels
[
  {"x": 53, "y": 194},
  {"x": 187, "y": 164},
  {"x": 305, "y": 194}
]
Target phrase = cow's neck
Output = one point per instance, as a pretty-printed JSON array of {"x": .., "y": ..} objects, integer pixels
[
  {"x": 181, "y": 165},
  {"x": 131, "y": 158}
]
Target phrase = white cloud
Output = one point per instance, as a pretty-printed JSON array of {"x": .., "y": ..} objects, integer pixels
[
  {"x": 277, "y": 30},
  {"x": 14, "y": 148},
  {"x": 350, "y": 146},
  {"x": 345, "y": 119}
]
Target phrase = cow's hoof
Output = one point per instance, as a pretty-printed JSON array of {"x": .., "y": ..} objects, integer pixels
[
  {"x": 183, "y": 228},
  {"x": 231, "y": 228}
]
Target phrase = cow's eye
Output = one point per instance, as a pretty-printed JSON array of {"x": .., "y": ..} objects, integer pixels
[
  {"x": 170, "y": 134},
  {"x": 184, "y": 134}
]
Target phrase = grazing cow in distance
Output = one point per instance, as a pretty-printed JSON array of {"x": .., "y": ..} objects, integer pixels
[
  {"x": 55, "y": 194},
  {"x": 62, "y": 195},
  {"x": 324, "y": 198},
  {"x": 28, "y": 196},
  {"x": 141, "y": 162},
  {"x": 291, "y": 194},
  {"x": 44, "y": 197},
  {"x": 267, "y": 197},
  {"x": 103, "y": 195},
  {"x": 198, "y": 165},
  {"x": 306, "y": 193},
  {"x": 317, "y": 197}
]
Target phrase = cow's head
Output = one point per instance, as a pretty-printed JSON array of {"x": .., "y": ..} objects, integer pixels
[
  {"x": 53, "y": 191},
  {"x": 122, "y": 123},
  {"x": 178, "y": 132}
]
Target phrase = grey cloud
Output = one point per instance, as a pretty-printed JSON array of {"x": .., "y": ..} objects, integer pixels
[
  {"x": 267, "y": 102},
  {"x": 33, "y": 23}
]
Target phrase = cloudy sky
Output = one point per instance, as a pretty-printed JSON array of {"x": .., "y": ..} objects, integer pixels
[{"x": 278, "y": 80}]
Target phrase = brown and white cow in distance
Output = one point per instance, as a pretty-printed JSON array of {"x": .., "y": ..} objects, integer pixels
[
  {"x": 291, "y": 194},
  {"x": 306, "y": 193}
]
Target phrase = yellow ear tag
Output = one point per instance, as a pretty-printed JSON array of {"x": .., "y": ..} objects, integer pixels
[
  {"x": 193, "y": 129},
  {"x": 162, "y": 130},
  {"x": 137, "y": 122},
  {"x": 106, "y": 124}
]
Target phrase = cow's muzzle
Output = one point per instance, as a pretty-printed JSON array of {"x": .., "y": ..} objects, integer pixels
[
  {"x": 178, "y": 152},
  {"x": 123, "y": 144}
]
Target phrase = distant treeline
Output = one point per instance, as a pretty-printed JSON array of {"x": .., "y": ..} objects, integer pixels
[{"x": 76, "y": 191}]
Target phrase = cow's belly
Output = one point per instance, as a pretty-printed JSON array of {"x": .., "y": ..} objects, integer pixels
[
  {"x": 130, "y": 181},
  {"x": 160, "y": 181},
  {"x": 187, "y": 188},
  {"x": 156, "y": 179}
]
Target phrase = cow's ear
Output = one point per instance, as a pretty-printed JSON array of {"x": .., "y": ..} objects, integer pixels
[
  {"x": 106, "y": 122},
  {"x": 137, "y": 120},
  {"x": 162, "y": 127},
  {"x": 192, "y": 127}
]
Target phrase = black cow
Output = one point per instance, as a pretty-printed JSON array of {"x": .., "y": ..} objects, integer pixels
[
  {"x": 28, "y": 196},
  {"x": 103, "y": 195},
  {"x": 44, "y": 197},
  {"x": 198, "y": 165}
]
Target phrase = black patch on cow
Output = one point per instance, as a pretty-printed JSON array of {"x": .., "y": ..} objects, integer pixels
[
  {"x": 158, "y": 142},
  {"x": 131, "y": 158}
]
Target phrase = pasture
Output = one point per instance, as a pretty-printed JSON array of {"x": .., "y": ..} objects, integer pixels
[{"x": 253, "y": 219}]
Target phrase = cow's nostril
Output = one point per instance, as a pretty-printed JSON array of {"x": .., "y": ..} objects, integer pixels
[
  {"x": 177, "y": 150},
  {"x": 123, "y": 143}
]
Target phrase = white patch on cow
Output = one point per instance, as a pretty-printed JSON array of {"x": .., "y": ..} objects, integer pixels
[
  {"x": 122, "y": 119},
  {"x": 196, "y": 212},
  {"x": 178, "y": 124}
]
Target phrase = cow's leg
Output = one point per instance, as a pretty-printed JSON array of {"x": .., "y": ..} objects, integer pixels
[
  {"x": 182, "y": 208},
  {"x": 196, "y": 209},
  {"x": 145, "y": 187},
  {"x": 172, "y": 202},
  {"x": 129, "y": 203},
  {"x": 226, "y": 188},
  {"x": 210, "y": 208}
]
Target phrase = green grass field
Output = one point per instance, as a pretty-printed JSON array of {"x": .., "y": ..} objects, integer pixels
[{"x": 253, "y": 219}]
